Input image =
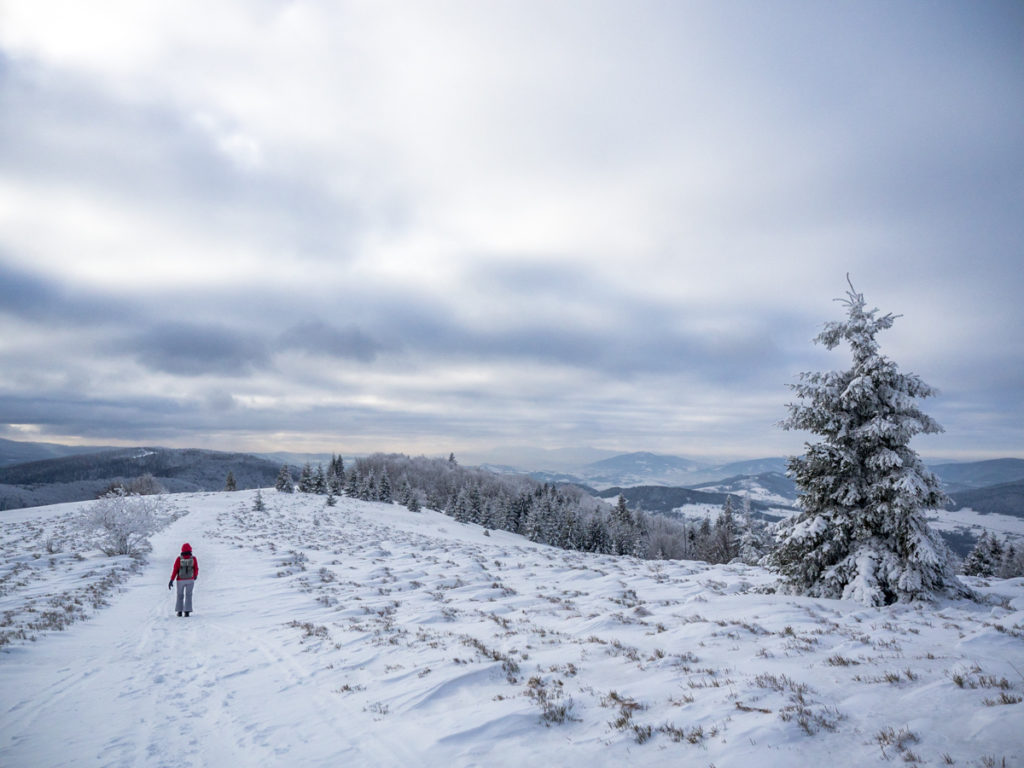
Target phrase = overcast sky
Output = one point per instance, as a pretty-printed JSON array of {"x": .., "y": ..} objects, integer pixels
[{"x": 430, "y": 226}]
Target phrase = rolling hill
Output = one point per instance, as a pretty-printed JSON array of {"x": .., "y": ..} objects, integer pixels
[
  {"x": 19, "y": 452},
  {"x": 369, "y": 636},
  {"x": 1003, "y": 499},
  {"x": 978, "y": 474},
  {"x": 84, "y": 476}
]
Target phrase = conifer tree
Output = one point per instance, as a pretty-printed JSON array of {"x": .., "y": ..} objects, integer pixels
[
  {"x": 985, "y": 558},
  {"x": 384, "y": 489},
  {"x": 368, "y": 488},
  {"x": 534, "y": 525},
  {"x": 703, "y": 541},
  {"x": 285, "y": 483},
  {"x": 640, "y": 535},
  {"x": 352, "y": 484},
  {"x": 518, "y": 510},
  {"x": 571, "y": 535},
  {"x": 335, "y": 483},
  {"x": 319, "y": 482},
  {"x": 409, "y": 498},
  {"x": 724, "y": 545},
  {"x": 861, "y": 533},
  {"x": 337, "y": 467},
  {"x": 461, "y": 509},
  {"x": 1012, "y": 564},
  {"x": 596, "y": 537},
  {"x": 306, "y": 478},
  {"x": 624, "y": 529}
]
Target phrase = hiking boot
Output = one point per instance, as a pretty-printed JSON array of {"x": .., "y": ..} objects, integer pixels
[
  {"x": 179, "y": 613},
  {"x": 187, "y": 612}
]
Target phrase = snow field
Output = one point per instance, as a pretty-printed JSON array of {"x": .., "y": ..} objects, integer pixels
[
  {"x": 1008, "y": 528},
  {"x": 52, "y": 572},
  {"x": 363, "y": 634}
]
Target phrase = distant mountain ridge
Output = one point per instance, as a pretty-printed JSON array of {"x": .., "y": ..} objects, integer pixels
[
  {"x": 84, "y": 476},
  {"x": 1002, "y": 499},
  {"x": 767, "y": 487},
  {"x": 990, "y": 486},
  {"x": 646, "y": 462},
  {"x": 18, "y": 452},
  {"x": 979, "y": 474},
  {"x": 644, "y": 468}
]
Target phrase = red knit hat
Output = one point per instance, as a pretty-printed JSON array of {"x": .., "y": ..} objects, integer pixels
[{"x": 186, "y": 547}]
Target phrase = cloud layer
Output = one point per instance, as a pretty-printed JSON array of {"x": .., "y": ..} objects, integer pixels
[{"x": 455, "y": 225}]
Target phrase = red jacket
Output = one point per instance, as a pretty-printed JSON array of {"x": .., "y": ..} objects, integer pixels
[{"x": 177, "y": 565}]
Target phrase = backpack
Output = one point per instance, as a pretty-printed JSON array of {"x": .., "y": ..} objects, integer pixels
[{"x": 186, "y": 568}]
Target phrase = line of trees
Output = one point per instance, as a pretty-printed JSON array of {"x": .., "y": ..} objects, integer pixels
[
  {"x": 992, "y": 557},
  {"x": 563, "y": 516}
]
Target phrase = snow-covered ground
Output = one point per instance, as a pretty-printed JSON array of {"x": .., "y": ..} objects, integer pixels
[
  {"x": 367, "y": 635},
  {"x": 712, "y": 511},
  {"x": 699, "y": 511},
  {"x": 753, "y": 491},
  {"x": 1006, "y": 526}
]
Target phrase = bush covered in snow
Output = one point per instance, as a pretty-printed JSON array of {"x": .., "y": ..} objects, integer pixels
[{"x": 125, "y": 521}]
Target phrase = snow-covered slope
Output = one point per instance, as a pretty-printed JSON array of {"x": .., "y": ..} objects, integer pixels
[
  {"x": 767, "y": 487},
  {"x": 367, "y": 635},
  {"x": 968, "y": 521}
]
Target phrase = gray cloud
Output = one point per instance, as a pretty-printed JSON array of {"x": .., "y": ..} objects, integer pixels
[
  {"x": 559, "y": 225},
  {"x": 42, "y": 299},
  {"x": 319, "y": 338},
  {"x": 188, "y": 349},
  {"x": 28, "y": 296},
  {"x": 71, "y": 132}
]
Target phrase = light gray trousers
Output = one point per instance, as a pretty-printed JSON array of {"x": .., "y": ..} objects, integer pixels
[{"x": 184, "y": 601}]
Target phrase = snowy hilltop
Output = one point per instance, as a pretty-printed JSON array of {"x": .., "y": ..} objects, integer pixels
[{"x": 365, "y": 634}]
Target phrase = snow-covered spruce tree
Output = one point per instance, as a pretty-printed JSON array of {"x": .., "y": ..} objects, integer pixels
[
  {"x": 352, "y": 484},
  {"x": 724, "y": 544},
  {"x": 319, "y": 482},
  {"x": 985, "y": 558},
  {"x": 306, "y": 478},
  {"x": 861, "y": 533},
  {"x": 384, "y": 489},
  {"x": 1012, "y": 565},
  {"x": 336, "y": 477},
  {"x": 285, "y": 483}
]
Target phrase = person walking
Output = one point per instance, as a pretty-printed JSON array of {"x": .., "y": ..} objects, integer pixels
[{"x": 186, "y": 571}]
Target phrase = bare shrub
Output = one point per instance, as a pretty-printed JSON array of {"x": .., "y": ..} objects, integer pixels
[
  {"x": 126, "y": 521},
  {"x": 898, "y": 739},
  {"x": 555, "y": 706}
]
